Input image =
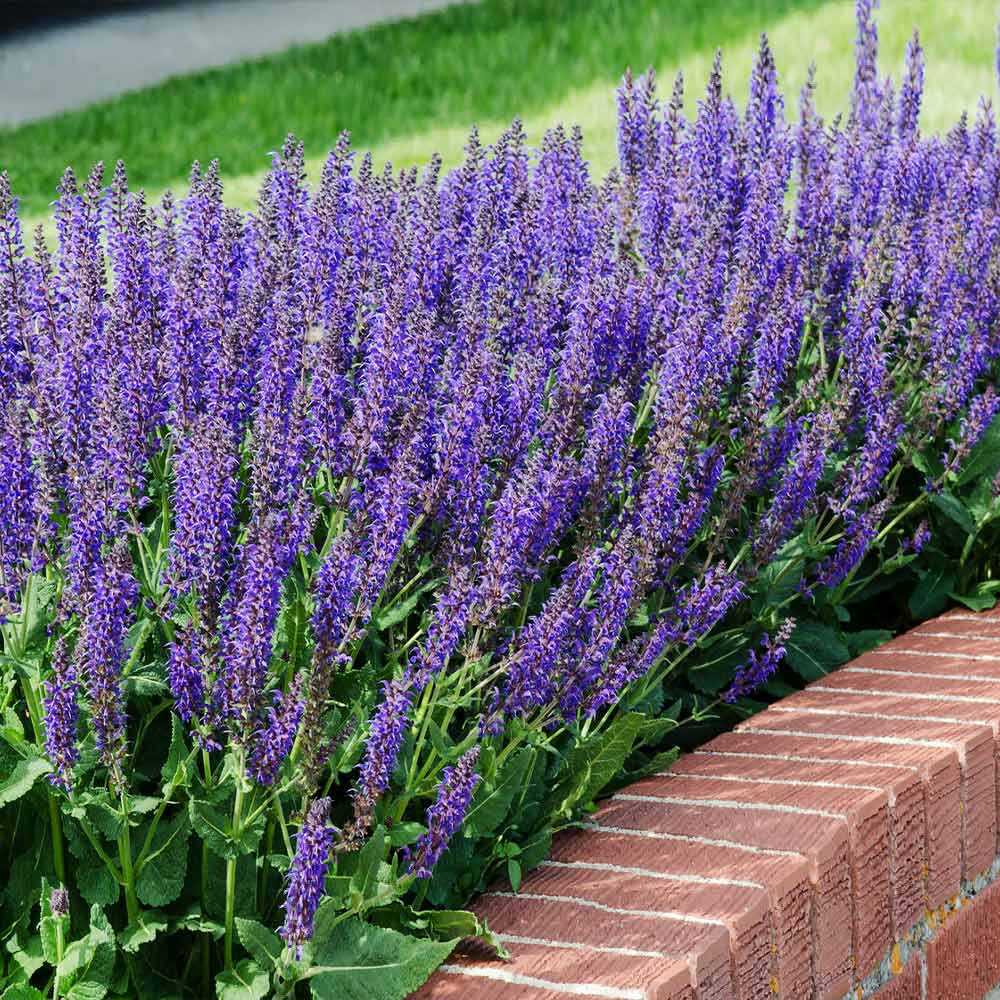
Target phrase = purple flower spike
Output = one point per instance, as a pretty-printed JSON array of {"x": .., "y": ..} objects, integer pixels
[
  {"x": 100, "y": 654},
  {"x": 761, "y": 663},
  {"x": 919, "y": 538},
  {"x": 306, "y": 876},
  {"x": 385, "y": 739},
  {"x": 444, "y": 818},
  {"x": 59, "y": 901},
  {"x": 273, "y": 739},
  {"x": 982, "y": 410},
  {"x": 186, "y": 670},
  {"x": 62, "y": 716}
]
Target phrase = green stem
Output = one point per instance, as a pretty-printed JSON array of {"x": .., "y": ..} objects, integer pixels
[
  {"x": 168, "y": 793},
  {"x": 280, "y": 812},
  {"x": 58, "y": 850},
  {"x": 206, "y": 937},
  {"x": 128, "y": 873},
  {"x": 268, "y": 850},
  {"x": 905, "y": 512},
  {"x": 231, "y": 872},
  {"x": 967, "y": 548},
  {"x": 99, "y": 848},
  {"x": 59, "y": 957},
  {"x": 55, "y": 821}
]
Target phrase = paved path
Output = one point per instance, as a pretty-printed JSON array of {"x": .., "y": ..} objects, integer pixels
[{"x": 58, "y": 67}]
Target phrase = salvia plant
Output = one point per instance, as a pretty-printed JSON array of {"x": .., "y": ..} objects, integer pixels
[{"x": 351, "y": 547}]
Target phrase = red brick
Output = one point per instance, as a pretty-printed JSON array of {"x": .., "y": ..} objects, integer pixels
[
  {"x": 958, "y": 614},
  {"x": 776, "y": 854},
  {"x": 902, "y": 662},
  {"x": 906, "y": 985},
  {"x": 752, "y": 755},
  {"x": 968, "y": 626},
  {"x": 593, "y": 924},
  {"x": 743, "y": 910},
  {"x": 983, "y": 693},
  {"x": 976, "y": 701},
  {"x": 978, "y": 756},
  {"x": 864, "y": 810},
  {"x": 462, "y": 978},
  {"x": 963, "y": 958},
  {"x": 785, "y": 880},
  {"x": 931, "y": 747},
  {"x": 931, "y": 642},
  {"x": 822, "y": 840}
]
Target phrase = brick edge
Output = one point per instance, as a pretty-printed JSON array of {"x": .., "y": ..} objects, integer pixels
[{"x": 844, "y": 843}]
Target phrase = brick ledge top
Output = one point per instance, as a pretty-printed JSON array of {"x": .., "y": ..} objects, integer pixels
[{"x": 815, "y": 853}]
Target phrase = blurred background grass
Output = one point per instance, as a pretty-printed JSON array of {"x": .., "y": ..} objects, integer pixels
[{"x": 411, "y": 88}]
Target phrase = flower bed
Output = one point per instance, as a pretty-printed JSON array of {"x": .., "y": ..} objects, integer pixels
[{"x": 351, "y": 548}]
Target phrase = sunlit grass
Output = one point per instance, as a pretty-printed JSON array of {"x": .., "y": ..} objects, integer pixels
[{"x": 409, "y": 89}]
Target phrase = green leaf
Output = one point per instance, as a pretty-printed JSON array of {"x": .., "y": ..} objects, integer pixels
[
  {"x": 49, "y": 925},
  {"x": 492, "y": 800},
  {"x": 149, "y": 924},
  {"x": 143, "y": 685},
  {"x": 927, "y": 463},
  {"x": 396, "y": 614},
  {"x": 866, "y": 640},
  {"x": 140, "y": 805},
  {"x": 21, "y": 992},
  {"x": 174, "y": 767},
  {"x": 441, "y": 741},
  {"x": 657, "y": 764},
  {"x": 97, "y": 885},
  {"x": 984, "y": 459},
  {"x": 245, "y": 903},
  {"x": 101, "y": 813},
  {"x": 596, "y": 762},
  {"x": 779, "y": 579},
  {"x": 29, "y": 958},
  {"x": 365, "y": 878},
  {"x": 37, "y": 613},
  {"x": 976, "y": 602},
  {"x": 536, "y": 850},
  {"x": 814, "y": 649},
  {"x": 193, "y": 920},
  {"x": 246, "y": 981},
  {"x": 93, "y": 880},
  {"x": 20, "y": 781},
  {"x": 358, "y": 961},
  {"x": 262, "y": 943},
  {"x": 161, "y": 878},
  {"x": 87, "y": 965},
  {"x": 514, "y": 873},
  {"x": 212, "y": 824},
  {"x": 454, "y": 874},
  {"x": 442, "y": 925},
  {"x": 954, "y": 510},
  {"x": 403, "y": 834},
  {"x": 930, "y": 596},
  {"x": 87, "y": 989}
]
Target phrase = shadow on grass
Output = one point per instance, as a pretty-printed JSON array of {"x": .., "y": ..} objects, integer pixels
[{"x": 463, "y": 64}]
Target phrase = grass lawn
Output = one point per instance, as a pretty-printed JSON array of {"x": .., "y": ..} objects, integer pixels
[{"x": 410, "y": 88}]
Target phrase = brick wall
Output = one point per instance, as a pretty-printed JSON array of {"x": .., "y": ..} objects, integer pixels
[{"x": 843, "y": 843}]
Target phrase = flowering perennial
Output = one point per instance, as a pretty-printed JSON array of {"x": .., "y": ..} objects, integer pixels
[{"x": 394, "y": 501}]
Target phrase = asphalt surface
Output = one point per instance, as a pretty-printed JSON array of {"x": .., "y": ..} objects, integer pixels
[{"x": 57, "y": 67}]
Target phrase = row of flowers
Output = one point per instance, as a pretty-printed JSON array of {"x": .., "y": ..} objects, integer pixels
[{"x": 350, "y": 547}]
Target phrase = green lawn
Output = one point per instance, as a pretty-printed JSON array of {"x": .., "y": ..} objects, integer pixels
[{"x": 410, "y": 88}]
